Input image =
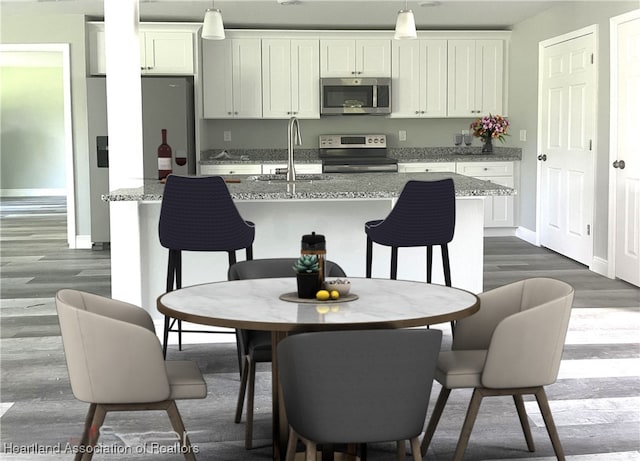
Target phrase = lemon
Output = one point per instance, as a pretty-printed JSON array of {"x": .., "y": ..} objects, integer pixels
[
  {"x": 322, "y": 295},
  {"x": 335, "y": 294}
]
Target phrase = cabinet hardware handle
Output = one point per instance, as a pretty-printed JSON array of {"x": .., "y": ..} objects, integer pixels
[
  {"x": 542, "y": 157},
  {"x": 619, "y": 164}
]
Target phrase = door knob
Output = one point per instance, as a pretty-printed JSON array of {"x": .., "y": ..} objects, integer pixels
[
  {"x": 619, "y": 164},
  {"x": 542, "y": 157}
]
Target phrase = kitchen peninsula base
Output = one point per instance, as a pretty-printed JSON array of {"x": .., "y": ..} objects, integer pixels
[{"x": 139, "y": 262}]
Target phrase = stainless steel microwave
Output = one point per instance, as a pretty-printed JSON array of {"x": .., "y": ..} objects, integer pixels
[{"x": 355, "y": 96}]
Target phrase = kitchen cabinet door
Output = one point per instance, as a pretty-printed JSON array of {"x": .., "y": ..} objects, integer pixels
[
  {"x": 232, "y": 78},
  {"x": 475, "y": 77},
  {"x": 290, "y": 78},
  {"x": 419, "y": 73},
  {"x": 167, "y": 53},
  {"x": 355, "y": 58}
]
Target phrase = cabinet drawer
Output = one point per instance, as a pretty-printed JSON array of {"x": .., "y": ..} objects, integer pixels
[
  {"x": 481, "y": 169},
  {"x": 301, "y": 168},
  {"x": 431, "y": 167},
  {"x": 214, "y": 170}
]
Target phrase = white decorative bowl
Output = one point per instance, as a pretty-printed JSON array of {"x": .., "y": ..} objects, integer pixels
[{"x": 342, "y": 286}]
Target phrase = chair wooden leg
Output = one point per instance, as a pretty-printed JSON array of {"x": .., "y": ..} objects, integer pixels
[
  {"x": 401, "y": 450},
  {"x": 232, "y": 257},
  {"x": 243, "y": 390},
  {"x": 524, "y": 421},
  {"x": 249, "y": 252},
  {"x": 178, "y": 427},
  {"x": 467, "y": 427},
  {"x": 165, "y": 335},
  {"x": 291, "y": 445},
  {"x": 429, "y": 262},
  {"x": 369, "y": 261},
  {"x": 248, "y": 431},
  {"x": 434, "y": 420},
  {"x": 543, "y": 404},
  {"x": 94, "y": 430},
  {"x": 179, "y": 334},
  {"x": 394, "y": 263},
  {"x": 85, "y": 432},
  {"x": 415, "y": 449}
]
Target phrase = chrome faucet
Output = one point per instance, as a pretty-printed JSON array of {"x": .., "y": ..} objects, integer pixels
[{"x": 293, "y": 138}]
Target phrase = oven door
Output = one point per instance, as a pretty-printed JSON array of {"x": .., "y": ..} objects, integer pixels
[{"x": 340, "y": 96}]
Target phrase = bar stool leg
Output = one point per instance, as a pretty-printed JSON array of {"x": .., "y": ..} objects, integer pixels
[
  {"x": 429, "y": 262},
  {"x": 447, "y": 278},
  {"x": 394, "y": 263},
  {"x": 369, "y": 256}
]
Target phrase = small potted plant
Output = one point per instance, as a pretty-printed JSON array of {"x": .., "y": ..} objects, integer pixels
[{"x": 307, "y": 268}]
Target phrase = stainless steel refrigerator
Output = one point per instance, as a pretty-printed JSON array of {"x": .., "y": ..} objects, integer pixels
[{"x": 167, "y": 103}]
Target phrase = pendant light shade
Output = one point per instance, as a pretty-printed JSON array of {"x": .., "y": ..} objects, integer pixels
[
  {"x": 213, "y": 29},
  {"x": 405, "y": 25}
]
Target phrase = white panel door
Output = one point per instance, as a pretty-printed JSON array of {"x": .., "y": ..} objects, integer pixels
[
  {"x": 567, "y": 118},
  {"x": 373, "y": 58},
  {"x": 626, "y": 166},
  {"x": 305, "y": 78},
  {"x": 337, "y": 58},
  {"x": 276, "y": 78}
]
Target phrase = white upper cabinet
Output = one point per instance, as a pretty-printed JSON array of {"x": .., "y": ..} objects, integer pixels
[
  {"x": 355, "y": 58},
  {"x": 419, "y": 78},
  {"x": 290, "y": 78},
  {"x": 231, "y": 78},
  {"x": 162, "y": 52},
  {"x": 167, "y": 53},
  {"x": 475, "y": 77}
]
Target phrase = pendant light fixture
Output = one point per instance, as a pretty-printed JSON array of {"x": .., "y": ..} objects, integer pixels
[
  {"x": 405, "y": 24},
  {"x": 213, "y": 29}
]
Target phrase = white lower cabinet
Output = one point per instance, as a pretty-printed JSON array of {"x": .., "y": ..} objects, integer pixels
[
  {"x": 499, "y": 211},
  {"x": 427, "y": 167},
  {"x": 230, "y": 169}
]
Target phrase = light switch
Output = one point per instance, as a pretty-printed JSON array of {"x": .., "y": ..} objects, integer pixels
[
  {"x": 402, "y": 135},
  {"x": 227, "y": 135}
]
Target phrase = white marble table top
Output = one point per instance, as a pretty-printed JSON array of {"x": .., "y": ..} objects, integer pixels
[{"x": 255, "y": 304}]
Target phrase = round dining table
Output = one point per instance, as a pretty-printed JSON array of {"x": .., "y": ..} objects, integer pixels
[{"x": 272, "y": 305}]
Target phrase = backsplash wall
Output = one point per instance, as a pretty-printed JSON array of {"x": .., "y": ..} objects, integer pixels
[{"x": 273, "y": 133}]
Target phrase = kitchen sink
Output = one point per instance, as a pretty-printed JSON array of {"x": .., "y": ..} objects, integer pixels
[{"x": 283, "y": 177}]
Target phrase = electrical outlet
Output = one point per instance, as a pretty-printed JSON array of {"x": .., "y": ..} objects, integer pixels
[
  {"x": 227, "y": 135},
  {"x": 523, "y": 135},
  {"x": 402, "y": 135}
]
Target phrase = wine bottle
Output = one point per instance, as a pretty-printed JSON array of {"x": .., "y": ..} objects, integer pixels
[{"x": 164, "y": 157}]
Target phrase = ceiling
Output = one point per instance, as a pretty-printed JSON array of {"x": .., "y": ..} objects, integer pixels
[{"x": 311, "y": 14}]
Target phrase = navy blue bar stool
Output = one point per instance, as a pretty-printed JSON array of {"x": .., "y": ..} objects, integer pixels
[
  {"x": 424, "y": 215},
  {"x": 198, "y": 214}
]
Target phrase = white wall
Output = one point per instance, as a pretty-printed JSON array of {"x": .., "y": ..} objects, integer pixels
[{"x": 32, "y": 123}]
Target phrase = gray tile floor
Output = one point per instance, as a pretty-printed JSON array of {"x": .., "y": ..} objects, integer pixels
[{"x": 596, "y": 401}]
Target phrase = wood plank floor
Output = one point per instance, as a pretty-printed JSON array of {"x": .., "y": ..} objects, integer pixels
[{"x": 596, "y": 401}]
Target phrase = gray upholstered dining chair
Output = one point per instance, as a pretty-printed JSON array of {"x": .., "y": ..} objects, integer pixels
[
  {"x": 357, "y": 387},
  {"x": 255, "y": 346},
  {"x": 511, "y": 346},
  {"x": 115, "y": 363}
]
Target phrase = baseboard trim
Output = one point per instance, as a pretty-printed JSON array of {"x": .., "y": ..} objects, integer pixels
[
  {"x": 83, "y": 242},
  {"x": 527, "y": 235},
  {"x": 32, "y": 192},
  {"x": 499, "y": 231},
  {"x": 600, "y": 266}
]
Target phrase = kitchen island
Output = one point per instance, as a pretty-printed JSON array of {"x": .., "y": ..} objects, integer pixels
[{"x": 335, "y": 205}]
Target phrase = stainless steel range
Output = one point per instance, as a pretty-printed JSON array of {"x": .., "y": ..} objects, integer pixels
[{"x": 361, "y": 153}]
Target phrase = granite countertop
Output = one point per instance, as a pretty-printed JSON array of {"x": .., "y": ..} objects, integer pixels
[
  {"x": 404, "y": 155},
  {"x": 335, "y": 186}
]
